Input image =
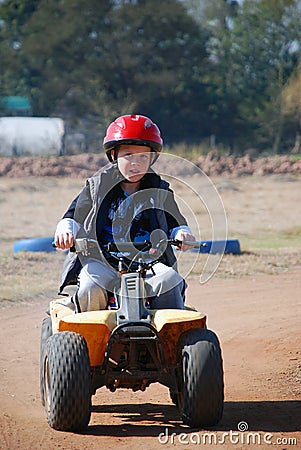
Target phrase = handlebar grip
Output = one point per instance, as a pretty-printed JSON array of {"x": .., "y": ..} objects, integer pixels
[
  {"x": 195, "y": 244},
  {"x": 71, "y": 249}
]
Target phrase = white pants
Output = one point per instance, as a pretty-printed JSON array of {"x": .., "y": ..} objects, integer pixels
[{"x": 96, "y": 278}]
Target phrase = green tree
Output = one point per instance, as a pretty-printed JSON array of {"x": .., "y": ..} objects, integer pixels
[
  {"x": 198, "y": 68},
  {"x": 58, "y": 47},
  {"x": 253, "y": 48},
  {"x": 14, "y": 14},
  {"x": 100, "y": 59},
  {"x": 291, "y": 100},
  {"x": 156, "y": 62}
]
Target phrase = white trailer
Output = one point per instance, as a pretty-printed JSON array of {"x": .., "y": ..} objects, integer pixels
[{"x": 31, "y": 136}]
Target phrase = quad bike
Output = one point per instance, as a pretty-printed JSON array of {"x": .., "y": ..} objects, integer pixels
[{"x": 131, "y": 347}]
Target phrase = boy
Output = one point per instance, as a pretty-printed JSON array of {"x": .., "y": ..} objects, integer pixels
[{"x": 126, "y": 202}]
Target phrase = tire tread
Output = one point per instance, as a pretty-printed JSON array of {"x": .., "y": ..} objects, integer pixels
[{"x": 70, "y": 382}]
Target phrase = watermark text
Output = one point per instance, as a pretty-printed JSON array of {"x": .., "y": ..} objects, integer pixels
[{"x": 241, "y": 437}]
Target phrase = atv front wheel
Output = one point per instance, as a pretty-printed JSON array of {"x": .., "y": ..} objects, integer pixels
[
  {"x": 67, "y": 382},
  {"x": 201, "y": 395},
  {"x": 46, "y": 332}
]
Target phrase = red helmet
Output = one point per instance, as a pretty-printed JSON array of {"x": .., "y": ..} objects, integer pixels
[{"x": 132, "y": 129}]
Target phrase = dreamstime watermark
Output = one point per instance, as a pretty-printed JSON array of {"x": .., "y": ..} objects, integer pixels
[
  {"x": 205, "y": 209},
  {"x": 240, "y": 437}
]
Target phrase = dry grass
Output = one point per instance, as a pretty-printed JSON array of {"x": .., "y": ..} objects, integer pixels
[
  {"x": 263, "y": 213},
  {"x": 26, "y": 275}
]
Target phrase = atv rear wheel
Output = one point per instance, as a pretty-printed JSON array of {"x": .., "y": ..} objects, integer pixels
[
  {"x": 67, "y": 382},
  {"x": 201, "y": 394},
  {"x": 46, "y": 332}
]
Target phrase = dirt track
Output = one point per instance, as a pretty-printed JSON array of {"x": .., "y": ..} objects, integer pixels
[
  {"x": 258, "y": 322},
  {"x": 257, "y": 317}
]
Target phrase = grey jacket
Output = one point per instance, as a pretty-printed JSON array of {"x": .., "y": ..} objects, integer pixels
[{"x": 90, "y": 209}]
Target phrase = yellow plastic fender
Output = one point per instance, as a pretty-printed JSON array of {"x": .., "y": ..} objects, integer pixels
[
  {"x": 171, "y": 324},
  {"x": 96, "y": 327}
]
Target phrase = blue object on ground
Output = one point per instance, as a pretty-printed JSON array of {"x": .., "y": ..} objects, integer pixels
[
  {"x": 43, "y": 244},
  {"x": 220, "y": 246}
]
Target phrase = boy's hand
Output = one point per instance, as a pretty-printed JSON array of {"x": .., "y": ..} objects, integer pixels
[
  {"x": 64, "y": 241},
  {"x": 184, "y": 236},
  {"x": 65, "y": 232}
]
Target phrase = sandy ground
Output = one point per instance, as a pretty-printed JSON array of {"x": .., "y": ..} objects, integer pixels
[
  {"x": 258, "y": 322},
  {"x": 256, "y": 316}
]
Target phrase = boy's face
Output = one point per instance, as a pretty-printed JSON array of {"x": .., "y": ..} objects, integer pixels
[{"x": 133, "y": 161}]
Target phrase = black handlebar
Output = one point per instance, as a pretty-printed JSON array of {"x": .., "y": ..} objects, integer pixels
[
  {"x": 147, "y": 245},
  {"x": 128, "y": 246}
]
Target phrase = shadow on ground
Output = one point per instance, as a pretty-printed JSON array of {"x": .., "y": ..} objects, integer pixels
[{"x": 148, "y": 419}]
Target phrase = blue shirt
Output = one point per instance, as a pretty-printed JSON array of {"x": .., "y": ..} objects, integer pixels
[{"x": 123, "y": 223}]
